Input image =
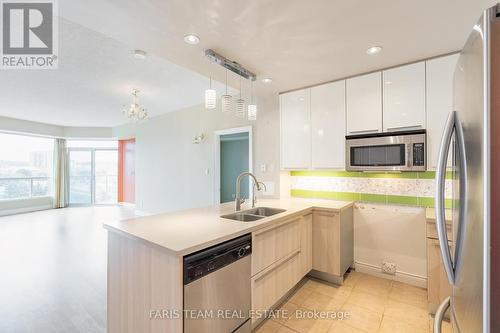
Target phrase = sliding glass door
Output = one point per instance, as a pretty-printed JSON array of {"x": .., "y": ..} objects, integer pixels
[
  {"x": 106, "y": 176},
  {"x": 93, "y": 176},
  {"x": 80, "y": 177}
]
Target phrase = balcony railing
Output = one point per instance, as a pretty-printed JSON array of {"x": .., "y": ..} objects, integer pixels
[{"x": 24, "y": 187}]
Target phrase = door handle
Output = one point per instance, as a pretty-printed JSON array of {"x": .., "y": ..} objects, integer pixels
[
  {"x": 439, "y": 198},
  {"x": 438, "y": 319},
  {"x": 459, "y": 134}
]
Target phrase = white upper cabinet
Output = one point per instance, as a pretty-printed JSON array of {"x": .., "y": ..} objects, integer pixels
[
  {"x": 364, "y": 104},
  {"x": 440, "y": 74},
  {"x": 404, "y": 97},
  {"x": 295, "y": 130},
  {"x": 328, "y": 125}
]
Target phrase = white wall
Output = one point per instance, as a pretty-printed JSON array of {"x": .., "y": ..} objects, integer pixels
[
  {"x": 171, "y": 170},
  {"x": 394, "y": 234}
]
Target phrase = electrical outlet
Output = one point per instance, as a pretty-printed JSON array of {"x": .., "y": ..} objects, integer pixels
[{"x": 388, "y": 268}]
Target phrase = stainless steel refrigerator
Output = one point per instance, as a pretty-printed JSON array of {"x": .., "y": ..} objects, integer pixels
[{"x": 472, "y": 134}]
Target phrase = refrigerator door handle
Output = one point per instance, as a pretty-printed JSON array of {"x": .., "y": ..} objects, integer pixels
[
  {"x": 440, "y": 196},
  {"x": 438, "y": 319},
  {"x": 459, "y": 134}
]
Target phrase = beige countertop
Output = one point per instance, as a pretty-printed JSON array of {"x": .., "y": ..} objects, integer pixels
[{"x": 188, "y": 231}]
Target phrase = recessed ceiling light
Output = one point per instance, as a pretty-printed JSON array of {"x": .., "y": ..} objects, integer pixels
[
  {"x": 140, "y": 54},
  {"x": 191, "y": 39},
  {"x": 374, "y": 50},
  {"x": 267, "y": 80}
]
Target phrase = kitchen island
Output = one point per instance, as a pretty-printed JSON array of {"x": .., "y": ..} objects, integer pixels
[{"x": 145, "y": 256}]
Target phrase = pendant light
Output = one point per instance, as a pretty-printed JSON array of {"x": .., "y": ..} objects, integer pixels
[
  {"x": 210, "y": 97},
  {"x": 240, "y": 106},
  {"x": 226, "y": 100},
  {"x": 252, "y": 108}
]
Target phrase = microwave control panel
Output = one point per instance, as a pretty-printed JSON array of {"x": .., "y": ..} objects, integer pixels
[{"x": 418, "y": 154}]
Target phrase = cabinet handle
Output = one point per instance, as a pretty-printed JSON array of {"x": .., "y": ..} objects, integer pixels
[
  {"x": 365, "y": 131},
  {"x": 403, "y": 127},
  {"x": 438, "y": 319}
]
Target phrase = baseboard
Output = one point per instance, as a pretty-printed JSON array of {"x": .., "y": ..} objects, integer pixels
[
  {"x": 408, "y": 278},
  {"x": 24, "y": 210},
  {"x": 142, "y": 213}
]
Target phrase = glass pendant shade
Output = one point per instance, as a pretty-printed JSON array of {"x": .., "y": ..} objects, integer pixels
[
  {"x": 240, "y": 108},
  {"x": 210, "y": 99},
  {"x": 226, "y": 103},
  {"x": 252, "y": 112}
]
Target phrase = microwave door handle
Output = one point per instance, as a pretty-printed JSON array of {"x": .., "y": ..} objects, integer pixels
[
  {"x": 440, "y": 194},
  {"x": 438, "y": 319},
  {"x": 408, "y": 155}
]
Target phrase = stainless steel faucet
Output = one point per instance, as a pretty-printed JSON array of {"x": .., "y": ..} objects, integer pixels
[{"x": 238, "y": 190}]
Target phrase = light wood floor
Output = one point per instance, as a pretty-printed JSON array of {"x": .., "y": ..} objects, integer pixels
[
  {"x": 373, "y": 304},
  {"x": 53, "y": 269}
]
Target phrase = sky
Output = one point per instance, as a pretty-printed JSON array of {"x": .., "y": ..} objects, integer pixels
[{"x": 18, "y": 147}]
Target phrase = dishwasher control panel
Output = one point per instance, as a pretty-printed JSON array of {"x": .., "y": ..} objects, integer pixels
[{"x": 206, "y": 261}]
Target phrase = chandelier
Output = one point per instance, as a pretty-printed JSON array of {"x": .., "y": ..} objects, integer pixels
[{"x": 135, "y": 112}]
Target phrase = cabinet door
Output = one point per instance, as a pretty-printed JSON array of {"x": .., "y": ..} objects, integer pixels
[
  {"x": 306, "y": 244},
  {"x": 295, "y": 130},
  {"x": 404, "y": 97},
  {"x": 326, "y": 242},
  {"x": 438, "y": 287},
  {"x": 364, "y": 104},
  {"x": 328, "y": 125},
  {"x": 440, "y": 73}
]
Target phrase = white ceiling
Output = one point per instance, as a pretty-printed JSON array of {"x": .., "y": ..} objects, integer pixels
[
  {"x": 296, "y": 42},
  {"x": 94, "y": 81}
]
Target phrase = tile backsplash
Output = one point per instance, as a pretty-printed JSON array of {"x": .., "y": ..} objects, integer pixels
[{"x": 408, "y": 188}]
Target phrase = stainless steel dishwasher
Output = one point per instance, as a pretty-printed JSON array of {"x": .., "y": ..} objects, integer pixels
[{"x": 217, "y": 295}]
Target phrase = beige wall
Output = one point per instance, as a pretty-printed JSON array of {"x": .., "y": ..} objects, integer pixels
[{"x": 171, "y": 171}]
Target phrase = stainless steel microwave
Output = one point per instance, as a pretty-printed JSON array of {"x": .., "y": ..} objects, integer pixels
[{"x": 395, "y": 151}]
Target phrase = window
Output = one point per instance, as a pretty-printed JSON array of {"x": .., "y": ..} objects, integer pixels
[{"x": 26, "y": 166}]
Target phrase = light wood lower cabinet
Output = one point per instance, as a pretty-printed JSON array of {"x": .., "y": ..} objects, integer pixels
[
  {"x": 306, "y": 246},
  {"x": 270, "y": 285},
  {"x": 332, "y": 237},
  {"x": 282, "y": 254},
  {"x": 274, "y": 243},
  {"x": 438, "y": 287},
  {"x": 326, "y": 242}
]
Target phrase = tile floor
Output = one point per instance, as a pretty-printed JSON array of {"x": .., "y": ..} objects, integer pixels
[{"x": 372, "y": 304}]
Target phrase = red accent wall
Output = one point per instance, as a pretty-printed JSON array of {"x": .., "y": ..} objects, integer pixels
[{"x": 126, "y": 171}]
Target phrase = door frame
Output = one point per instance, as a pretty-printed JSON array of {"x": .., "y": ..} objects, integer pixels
[
  {"x": 92, "y": 176},
  {"x": 217, "y": 135}
]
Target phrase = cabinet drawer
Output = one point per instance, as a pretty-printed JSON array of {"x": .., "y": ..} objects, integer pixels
[
  {"x": 274, "y": 243},
  {"x": 271, "y": 285}
]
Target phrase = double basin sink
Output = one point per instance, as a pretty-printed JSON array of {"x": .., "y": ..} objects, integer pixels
[{"x": 253, "y": 214}]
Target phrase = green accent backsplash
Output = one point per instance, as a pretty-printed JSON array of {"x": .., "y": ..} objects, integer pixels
[{"x": 403, "y": 188}]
